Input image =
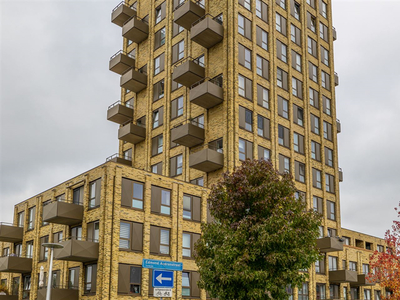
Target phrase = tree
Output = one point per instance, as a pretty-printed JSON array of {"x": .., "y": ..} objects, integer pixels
[
  {"x": 385, "y": 266},
  {"x": 260, "y": 238}
]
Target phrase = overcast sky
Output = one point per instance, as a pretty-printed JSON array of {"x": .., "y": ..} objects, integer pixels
[{"x": 55, "y": 88}]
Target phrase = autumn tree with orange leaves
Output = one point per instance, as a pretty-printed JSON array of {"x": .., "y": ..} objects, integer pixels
[{"x": 386, "y": 265}]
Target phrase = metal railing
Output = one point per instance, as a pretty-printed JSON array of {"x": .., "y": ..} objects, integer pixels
[
  {"x": 191, "y": 121},
  {"x": 60, "y": 286},
  {"x": 124, "y": 53},
  {"x": 198, "y": 2},
  {"x": 211, "y": 145},
  {"x": 216, "y": 19},
  {"x": 120, "y": 4},
  {"x": 215, "y": 80},
  {"x": 10, "y": 224},
  {"x": 116, "y": 155},
  {"x": 195, "y": 60},
  {"x": 138, "y": 18},
  {"x": 62, "y": 200},
  {"x": 119, "y": 102}
]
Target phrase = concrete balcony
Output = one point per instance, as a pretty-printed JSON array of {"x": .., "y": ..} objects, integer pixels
[
  {"x": 120, "y": 160},
  {"x": 65, "y": 213},
  {"x": 188, "y": 72},
  {"x": 206, "y": 160},
  {"x": 342, "y": 276},
  {"x": 122, "y": 13},
  {"x": 363, "y": 280},
  {"x": 8, "y": 297},
  {"x": 188, "y": 13},
  {"x": 58, "y": 293},
  {"x": 340, "y": 175},
  {"x": 119, "y": 113},
  {"x": 338, "y": 126},
  {"x": 334, "y": 35},
  {"x": 207, "y": 94},
  {"x": 121, "y": 62},
  {"x": 76, "y": 250},
  {"x": 134, "y": 80},
  {"x": 329, "y": 244},
  {"x": 135, "y": 29},
  {"x": 15, "y": 264},
  {"x": 10, "y": 233},
  {"x": 207, "y": 31},
  {"x": 132, "y": 133},
  {"x": 336, "y": 79},
  {"x": 188, "y": 135}
]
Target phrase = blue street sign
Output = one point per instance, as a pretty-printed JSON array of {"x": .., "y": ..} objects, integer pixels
[
  {"x": 163, "y": 279},
  {"x": 162, "y": 264}
]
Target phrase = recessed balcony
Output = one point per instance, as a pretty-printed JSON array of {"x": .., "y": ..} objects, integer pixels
[
  {"x": 188, "y": 135},
  {"x": 338, "y": 126},
  {"x": 10, "y": 233},
  {"x": 188, "y": 72},
  {"x": 59, "y": 293},
  {"x": 135, "y": 29},
  {"x": 329, "y": 244},
  {"x": 207, "y": 93},
  {"x": 134, "y": 80},
  {"x": 364, "y": 280},
  {"x": 65, "y": 213},
  {"x": 120, "y": 160},
  {"x": 119, "y": 113},
  {"x": 15, "y": 264},
  {"x": 342, "y": 276},
  {"x": 340, "y": 175},
  {"x": 334, "y": 35},
  {"x": 336, "y": 79},
  {"x": 207, "y": 31},
  {"x": 188, "y": 13},
  {"x": 122, "y": 13},
  {"x": 121, "y": 62},
  {"x": 132, "y": 133},
  {"x": 206, "y": 160},
  {"x": 77, "y": 250}
]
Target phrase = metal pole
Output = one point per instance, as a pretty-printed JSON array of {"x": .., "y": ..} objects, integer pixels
[{"x": 48, "y": 294}]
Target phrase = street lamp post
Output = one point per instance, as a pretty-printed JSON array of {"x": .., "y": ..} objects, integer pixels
[{"x": 52, "y": 246}]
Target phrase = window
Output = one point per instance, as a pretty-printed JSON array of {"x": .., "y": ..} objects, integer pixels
[
  {"x": 311, "y": 3},
  {"x": 297, "y": 88},
  {"x": 262, "y": 96},
  {"x": 44, "y": 251},
  {"x": 314, "y": 124},
  {"x": 283, "y": 107},
  {"x": 244, "y": 56},
  {"x": 328, "y": 131},
  {"x": 330, "y": 210},
  {"x": 352, "y": 266},
  {"x": 93, "y": 231},
  {"x": 73, "y": 278},
  {"x": 320, "y": 266},
  {"x": 263, "y": 127},
  {"x": 6, "y": 251},
  {"x": 311, "y": 22},
  {"x": 333, "y": 263},
  {"x": 262, "y": 10},
  {"x": 346, "y": 240},
  {"x": 244, "y": 26},
  {"x": 320, "y": 291},
  {"x": 245, "y": 149},
  {"x": 176, "y": 165},
  {"x": 129, "y": 279},
  {"x": 95, "y": 190},
  {"x": 315, "y": 151},
  {"x": 281, "y": 3},
  {"x": 313, "y": 72},
  {"x": 216, "y": 145},
  {"x": 131, "y": 236},
  {"x": 280, "y": 24},
  {"x": 378, "y": 295},
  {"x": 380, "y": 248},
  {"x": 29, "y": 249},
  {"x": 178, "y": 51},
  {"x": 299, "y": 171},
  {"x": 321, "y": 231},
  {"x": 159, "y": 240},
  {"x": 160, "y": 12},
  {"x": 158, "y": 117},
  {"x": 295, "y": 34},
  {"x": 365, "y": 268},
  {"x": 76, "y": 233},
  {"x": 176, "y": 29},
  {"x": 303, "y": 292},
  {"x": 283, "y": 136},
  {"x": 289, "y": 291},
  {"x": 160, "y": 200},
  {"x": 284, "y": 164},
  {"x": 262, "y": 67},
  {"x": 317, "y": 204},
  {"x": 21, "y": 219},
  {"x": 158, "y": 90},
  {"x": 298, "y": 143},
  {"x": 198, "y": 181},
  {"x": 317, "y": 178},
  {"x": 159, "y": 38},
  {"x": 191, "y": 208},
  {"x": 367, "y": 294},
  {"x": 281, "y": 51},
  {"x": 188, "y": 241},
  {"x": 262, "y": 38},
  {"x": 245, "y": 87},
  {"x": 18, "y": 249},
  {"x": 312, "y": 46},
  {"x": 282, "y": 79},
  {"x": 326, "y": 105},
  {"x": 177, "y": 107},
  {"x": 263, "y": 153},
  {"x": 245, "y": 119},
  {"x": 189, "y": 284},
  {"x": 132, "y": 193},
  {"x": 298, "y": 115},
  {"x": 323, "y": 32},
  {"x": 328, "y": 157},
  {"x": 157, "y": 168},
  {"x": 175, "y": 85},
  {"x": 295, "y": 9},
  {"x": 296, "y": 61},
  {"x": 15, "y": 285},
  {"x": 332, "y": 232},
  {"x": 157, "y": 145},
  {"x": 58, "y": 237},
  {"x": 325, "y": 80},
  {"x": 330, "y": 183},
  {"x": 78, "y": 196},
  {"x": 178, "y": 3},
  {"x": 31, "y": 217},
  {"x": 323, "y": 9},
  {"x": 26, "y": 287},
  {"x": 159, "y": 64},
  {"x": 246, "y": 4},
  {"x": 90, "y": 279},
  {"x": 314, "y": 98}
]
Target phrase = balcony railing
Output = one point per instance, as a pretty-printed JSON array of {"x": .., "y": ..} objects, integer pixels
[
  {"x": 336, "y": 79},
  {"x": 59, "y": 292},
  {"x": 329, "y": 244},
  {"x": 334, "y": 34},
  {"x": 188, "y": 71},
  {"x": 120, "y": 113},
  {"x": 188, "y": 12},
  {"x": 209, "y": 159},
  {"x": 15, "y": 264},
  {"x": 78, "y": 249},
  {"x": 121, "y": 62},
  {"x": 134, "y": 79},
  {"x": 10, "y": 233},
  {"x": 342, "y": 276},
  {"x": 62, "y": 212},
  {"x": 207, "y": 31},
  {"x": 338, "y": 126},
  {"x": 135, "y": 29},
  {"x": 132, "y": 133},
  {"x": 120, "y": 159},
  {"x": 189, "y": 134},
  {"x": 122, "y": 13},
  {"x": 340, "y": 175},
  {"x": 207, "y": 93}
]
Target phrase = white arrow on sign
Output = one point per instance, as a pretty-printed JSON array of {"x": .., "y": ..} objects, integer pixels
[{"x": 160, "y": 278}]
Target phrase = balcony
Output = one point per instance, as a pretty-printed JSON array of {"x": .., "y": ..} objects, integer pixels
[
  {"x": 336, "y": 79},
  {"x": 329, "y": 244},
  {"x": 363, "y": 280},
  {"x": 122, "y": 13},
  {"x": 207, "y": 94},
  {"x": 132, "y": 133},
  {"x": 120, "y": 160},
  {"x": 135, "y": 29},
  {"x": 134, "y": 80},
  {"x": 188, "y": 13},
  {"x": 188, "y": 72},
  {"x": 77, "y": 250},
  {"x": 342, "y": 276},
  {"x": 334, "y": 36},
  {"x": 15, "y": 264},
  {"x": 59, "y": 293},
  {"x": 338, "y": 126},
  {"x": 188, "y": 135},
  {"x": 207, "y": 31},
  {"x": 121, "y": 62},
  {"x": 65, "y": 213},
  {"x": 340, "y": 175},
  {"x": 8, "y": 297},
  {"x": 119, "y": 113},
  {"x": 206, "y": 160},
  {"x": 10, "y": 233}
]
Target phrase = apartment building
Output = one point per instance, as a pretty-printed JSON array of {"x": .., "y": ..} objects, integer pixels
[{"x": 204, "y": 85}]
